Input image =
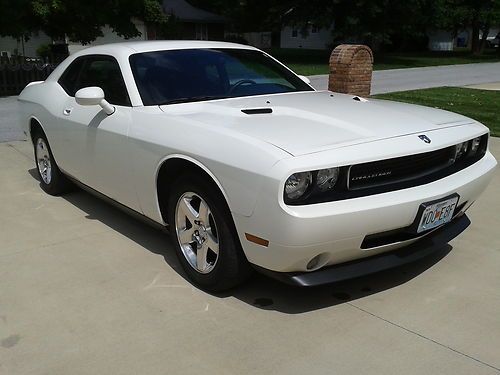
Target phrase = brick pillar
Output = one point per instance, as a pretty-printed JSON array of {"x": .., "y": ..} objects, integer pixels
[{"x": 351, "y": 67}]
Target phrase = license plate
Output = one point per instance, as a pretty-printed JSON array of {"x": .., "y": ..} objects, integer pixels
[{"x": 437, "y": 214}]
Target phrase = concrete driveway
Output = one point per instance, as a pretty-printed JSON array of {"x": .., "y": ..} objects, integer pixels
[
  {"x": 422, "y": 78},
  {"x": 9, "y": 127},
  {"x": 85, "y": 289}
]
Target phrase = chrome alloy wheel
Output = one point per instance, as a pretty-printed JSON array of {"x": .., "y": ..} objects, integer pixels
[
  {"x": 197, "y": 232},
  {"x": 43, "y": 161}
]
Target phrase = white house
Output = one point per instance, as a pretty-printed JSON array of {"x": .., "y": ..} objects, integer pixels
[
  {"x": 441, "y": 40},
  {"x": 12, "y": 47},
  {"x": 109, "y": 36},
  {"x": 195, "y": 23},
  {"x": 313, "y": 37}
]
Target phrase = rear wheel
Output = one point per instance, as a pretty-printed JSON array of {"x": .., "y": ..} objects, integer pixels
[
  {"x": 52, "y": 181},
  {"x": 204, "y": 235}
]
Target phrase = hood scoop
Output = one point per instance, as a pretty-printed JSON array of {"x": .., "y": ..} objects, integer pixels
[
  {"x": 307, "y": 122},
  {"x": 257, "y": 111},
  {"x": 360, "y": 99}
]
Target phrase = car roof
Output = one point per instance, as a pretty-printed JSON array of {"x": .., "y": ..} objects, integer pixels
[
  {"x": 157, "y": 45},
  {"x": 123, "y": 50}
]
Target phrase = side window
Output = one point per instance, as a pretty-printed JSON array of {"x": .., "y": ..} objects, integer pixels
[
  {"x": 104, "y": 72},
  {"x": 69, "y": 78},
  {"x": 212, "y": 73}
]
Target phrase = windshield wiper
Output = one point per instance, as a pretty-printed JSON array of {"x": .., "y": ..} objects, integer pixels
[{"x": 192, "y": 99}]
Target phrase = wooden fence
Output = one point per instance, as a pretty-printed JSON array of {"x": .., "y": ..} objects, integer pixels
[{"x": 15, "y": 77}]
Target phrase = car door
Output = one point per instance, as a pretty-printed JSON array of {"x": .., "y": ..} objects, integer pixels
[{"x": 98, "y": 144}]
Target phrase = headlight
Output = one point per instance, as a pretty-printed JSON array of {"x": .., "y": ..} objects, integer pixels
[
  {"x": 461, "y": 150},
  {"x": 327, "y": 178},
  {"x": 297, "y": 184},
  {"x": 475, "y": 143}
]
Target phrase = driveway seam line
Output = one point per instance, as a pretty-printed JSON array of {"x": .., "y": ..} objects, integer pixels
[
  {"x": 52, "y": 244},
  {"x": 424, "y": 337},
  {"x": 18, "y": 151}
]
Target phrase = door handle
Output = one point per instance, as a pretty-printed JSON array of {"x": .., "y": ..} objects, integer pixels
[{"x": 67, "y": 111}]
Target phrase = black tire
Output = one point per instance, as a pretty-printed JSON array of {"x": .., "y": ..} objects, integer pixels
[
  {"x": 58, "y": 183},
  {"x": 231, "y": 267}
]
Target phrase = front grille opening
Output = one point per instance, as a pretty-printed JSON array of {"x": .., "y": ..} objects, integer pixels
[
  {"x": 360, "y": 180},
  {"x": 399, "y": 235},
  {"x": 368, "y": 175}
]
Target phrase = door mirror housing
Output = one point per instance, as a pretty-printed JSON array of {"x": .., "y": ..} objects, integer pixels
[
  {"x": 305, "y": 79},
  {"x": 90, "y": 96}
]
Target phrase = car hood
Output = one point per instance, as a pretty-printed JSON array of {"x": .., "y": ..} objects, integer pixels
[{"x": 307, "y": 122}]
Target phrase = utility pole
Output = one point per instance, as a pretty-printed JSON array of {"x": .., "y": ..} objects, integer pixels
[{"x": 22, "y": 44}]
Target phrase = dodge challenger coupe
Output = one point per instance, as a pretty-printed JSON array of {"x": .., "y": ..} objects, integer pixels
[{"x": 249, "y": 167}]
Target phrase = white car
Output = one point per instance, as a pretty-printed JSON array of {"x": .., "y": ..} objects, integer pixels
[
  {"x": 249, "y": 166},
  {"x": 493, "y": 42}
]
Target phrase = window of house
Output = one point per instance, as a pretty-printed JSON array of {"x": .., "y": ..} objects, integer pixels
[
  {"x": 314, "y": 29},
  {"x": 295, "y": 33}
]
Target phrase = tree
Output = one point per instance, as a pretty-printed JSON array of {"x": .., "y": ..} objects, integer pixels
[
  {"x": 248, "y": 15},
  {"x": 479, "y": 15},
  {"x": 15, "y": 20},
  {"x": 81, "y": 21},
  {"x": 373, "y": 22}
]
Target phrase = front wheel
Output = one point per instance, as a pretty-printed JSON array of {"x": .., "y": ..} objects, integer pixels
[
  {"x": 204, "y": 235},
  {"x": 52, "y": 181}
]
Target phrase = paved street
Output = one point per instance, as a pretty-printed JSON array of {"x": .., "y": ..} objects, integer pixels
[
  {"x": 493, "y": 86},
  {"x": 85, "y": 289},
  {"x": 421, "y": 78},
  {"x": 9, "y": 128},
  {"x": 383, "y": 81}
]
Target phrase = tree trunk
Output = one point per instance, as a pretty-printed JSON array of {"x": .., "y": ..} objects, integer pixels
[
  {"x": 475, "y": 38},
  {"x": 482, "y": 44}
]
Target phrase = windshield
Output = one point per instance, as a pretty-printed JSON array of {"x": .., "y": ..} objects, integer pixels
[{"x": 179, "y": 76}]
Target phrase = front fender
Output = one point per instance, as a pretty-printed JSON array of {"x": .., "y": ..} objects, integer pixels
[{"x": 237, "y": 163}]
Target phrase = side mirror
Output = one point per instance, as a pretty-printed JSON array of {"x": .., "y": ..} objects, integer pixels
[
  {"x": 305, "y": 79},
  {"x": 90, "y": 96}
]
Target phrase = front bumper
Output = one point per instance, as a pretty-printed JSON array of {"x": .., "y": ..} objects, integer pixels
[
  {"x": 430, "y": 244},
  {"x": 335, "y": 231}
]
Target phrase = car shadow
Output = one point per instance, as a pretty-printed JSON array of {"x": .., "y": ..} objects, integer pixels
[
  {"x": 260, "y": 291},
  {"x": 33, "y": 173},
  {"x": 269, "y": 294}
]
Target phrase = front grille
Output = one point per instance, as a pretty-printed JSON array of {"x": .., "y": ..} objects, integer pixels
[
  {"x": 360, "y": 180},
  {"x": 378, "y": 173}
]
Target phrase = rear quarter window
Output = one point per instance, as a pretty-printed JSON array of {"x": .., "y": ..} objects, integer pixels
[
  {"x": 69, "y": 79},
  {"x": 96, "y": 70}
]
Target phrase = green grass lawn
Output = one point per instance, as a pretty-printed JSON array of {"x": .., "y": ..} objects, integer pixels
[
  {"x": 312, "y": 62},
  {"x": 481, "y": 105}
]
